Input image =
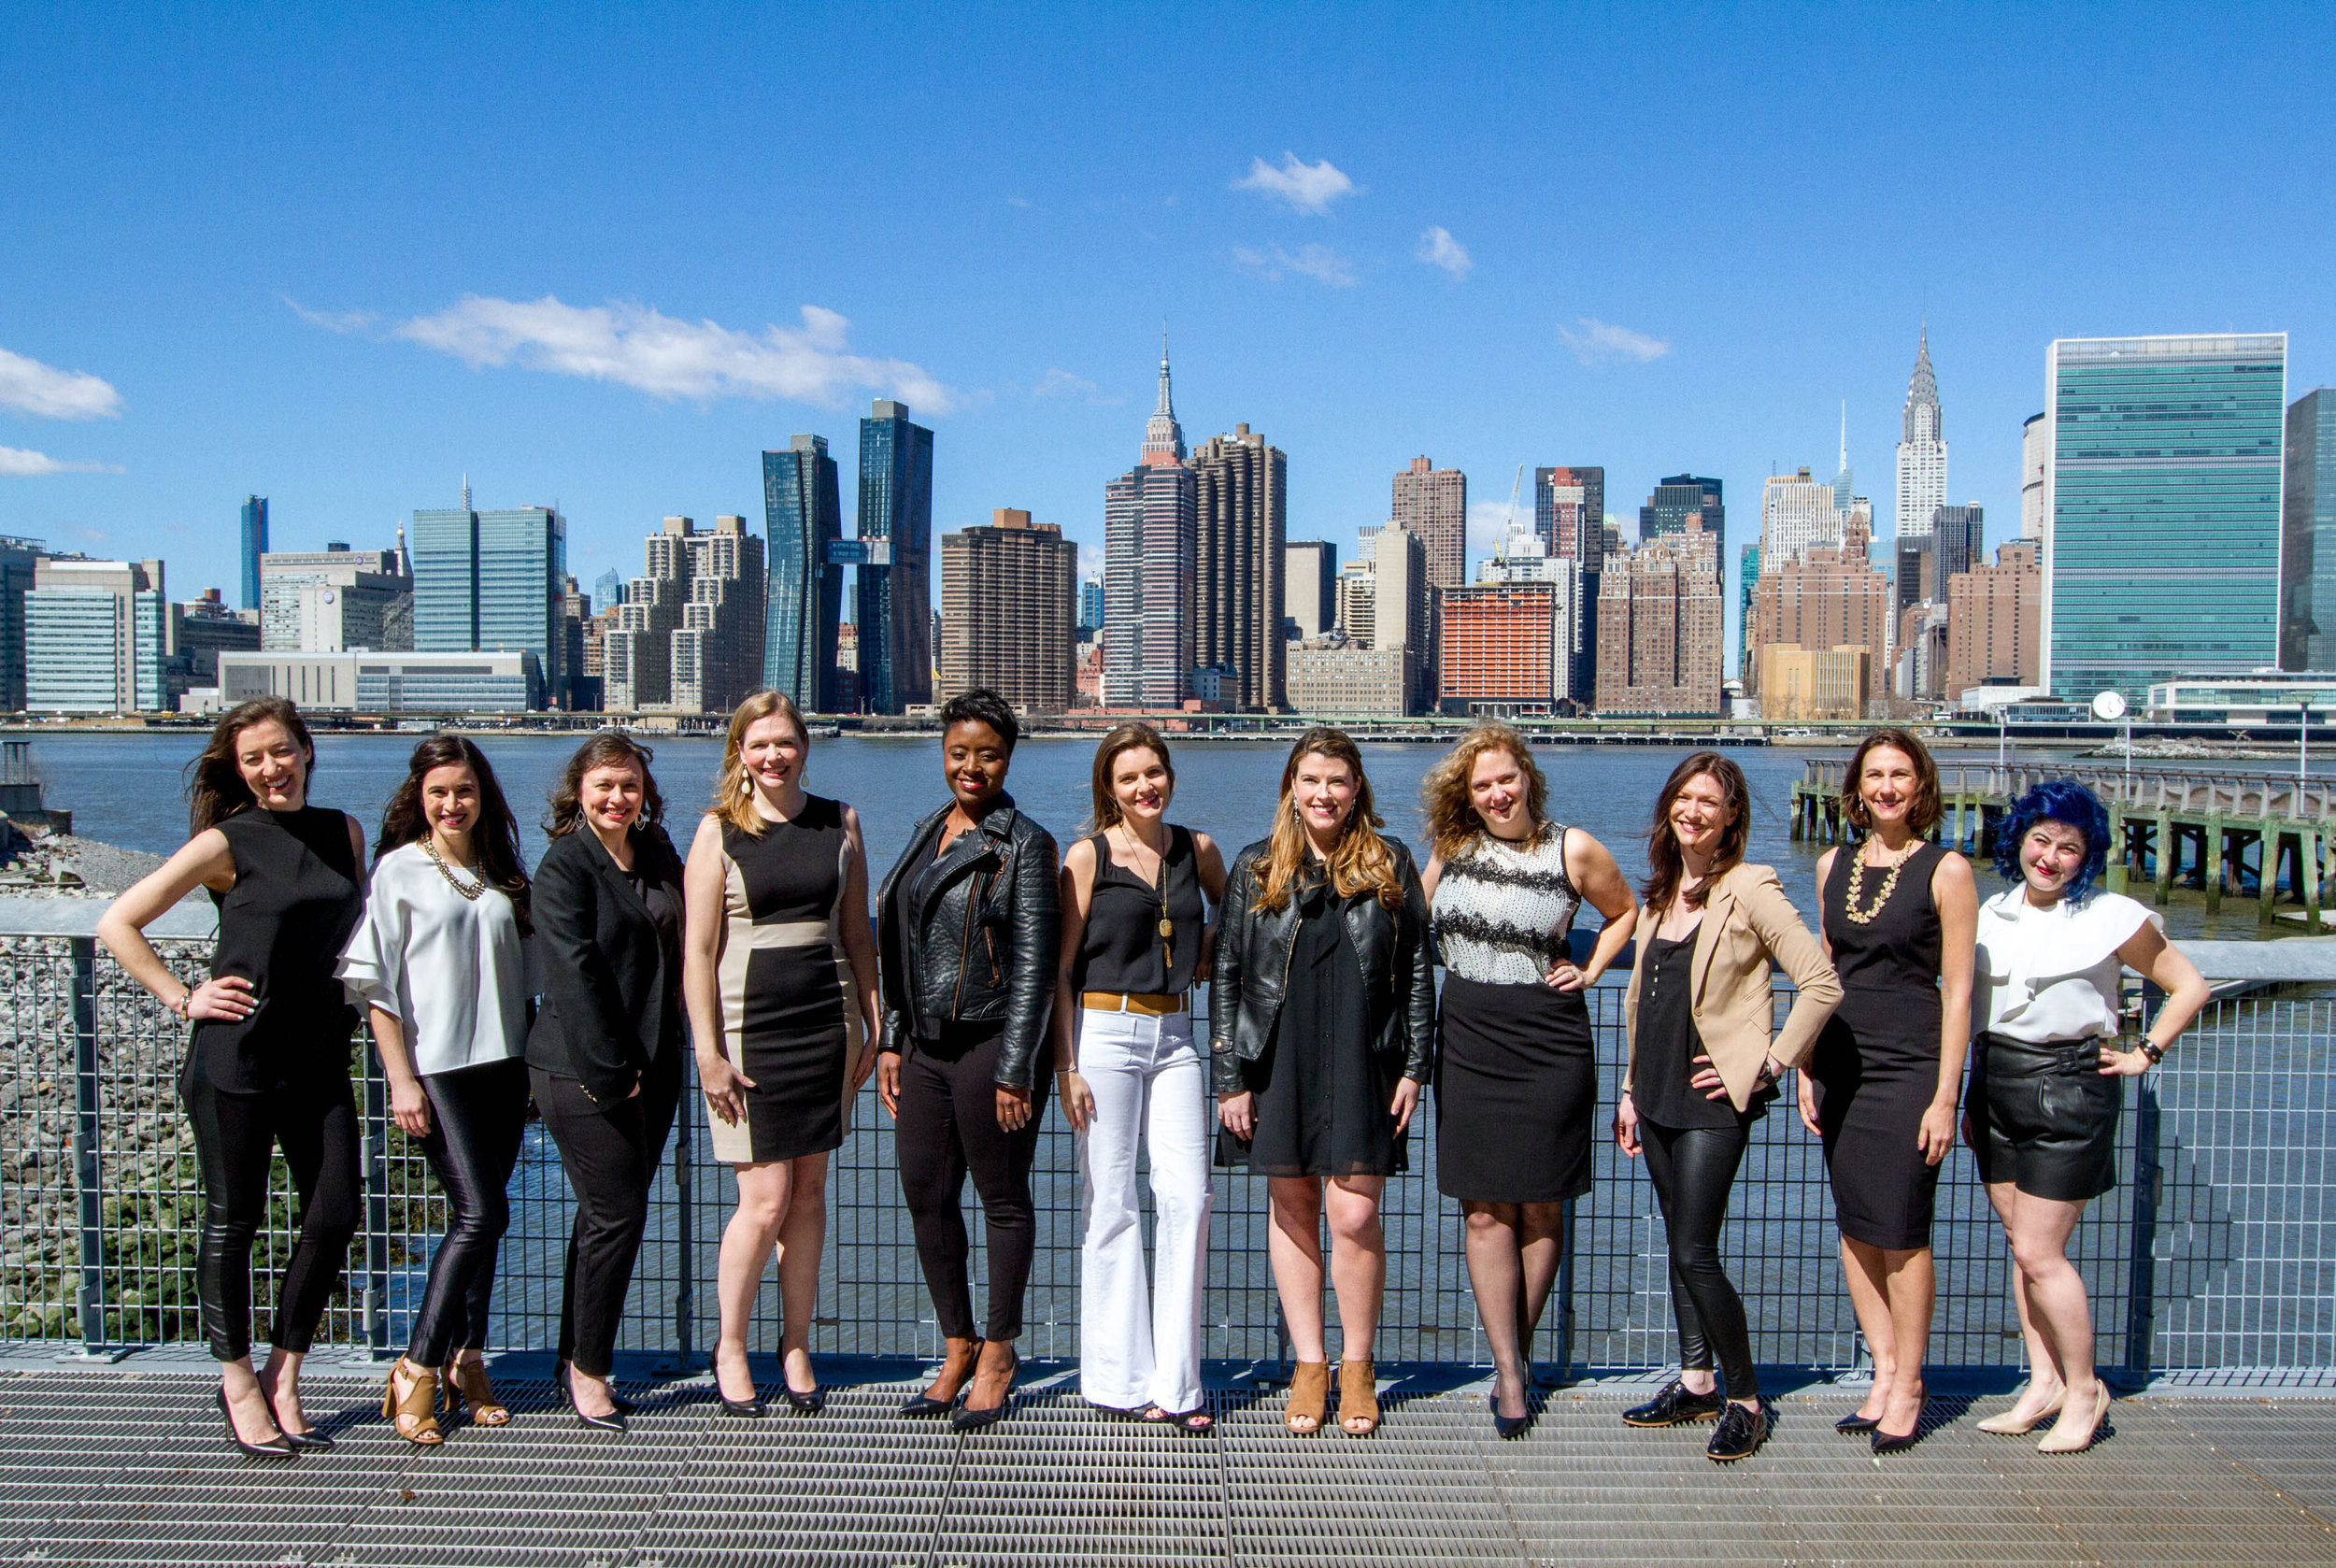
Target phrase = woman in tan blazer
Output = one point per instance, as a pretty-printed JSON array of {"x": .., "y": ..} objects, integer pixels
[{"x": 1704, "y": 1067}]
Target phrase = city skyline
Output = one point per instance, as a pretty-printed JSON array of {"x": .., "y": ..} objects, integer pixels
[{"x": 1368, "y": 291}]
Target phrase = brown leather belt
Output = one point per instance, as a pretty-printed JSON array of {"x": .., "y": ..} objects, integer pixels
[{"x": 1123, "y": 1002}]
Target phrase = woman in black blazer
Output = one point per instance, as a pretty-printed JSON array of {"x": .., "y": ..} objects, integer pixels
[{"x": 605, "y": 1057}]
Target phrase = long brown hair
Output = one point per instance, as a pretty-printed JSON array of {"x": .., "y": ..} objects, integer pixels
[
  {"x": 1360, "y": 861},
  {"x": 606, "y": 748},
  {"x": 1131, "y": 736},
  {"x": 1444, "y": 794},
  {"x": 1923, "y": 812},
  {"x": 215, "y": 786},
  {"x": 733, "y": 792},
  {"x": 496, "y": 836},
  {"x": 1664, "y": 865}
]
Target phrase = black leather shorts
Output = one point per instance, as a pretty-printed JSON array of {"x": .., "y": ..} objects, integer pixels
[{"x": 2045, "y": 1116}]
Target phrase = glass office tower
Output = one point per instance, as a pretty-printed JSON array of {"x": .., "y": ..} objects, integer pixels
[
  {"x": 895, "y": 608},
  {"x": 2163, "y": 495},
  {"x": 2307, "y": 554},
  {"x": 254, "y": 546},
  {"x": 492, "y": 581},
  {"x": 802, "y": 516}
]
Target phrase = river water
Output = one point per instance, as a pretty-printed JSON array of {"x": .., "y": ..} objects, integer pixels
[{"x": 128, "y": 789}]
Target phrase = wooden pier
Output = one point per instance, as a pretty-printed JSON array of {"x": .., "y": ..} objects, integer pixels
[{"x": 2227, "y": 834}]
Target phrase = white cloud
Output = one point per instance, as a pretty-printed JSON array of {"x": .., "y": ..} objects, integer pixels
[
  {"x": 1017, "y": 201},
  {"x": 1303, "y": 187},
  {"x": 1090, "y": 562},
  {"x": 1489, "y": 521},
  {"x": 30, "y": 386},
  {"x": 1061, "y": 383},
  {"x": 1318, "y": 261},
  {"x": 18, "y": 464},
  {"x": 638, "y": 347},
  {"x": 1437, "y": 248},
  {"x": 1600, "y": 342},
  {"x": 330, "y": 320}
]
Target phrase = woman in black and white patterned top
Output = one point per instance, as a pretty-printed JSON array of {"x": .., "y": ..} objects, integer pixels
[{"x": 1517, "y": 1080}]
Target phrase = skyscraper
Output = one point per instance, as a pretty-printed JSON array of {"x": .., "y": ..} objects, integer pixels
[
  {"x": 1678, "y": 498},
  {"x": 1403, "y": 603},
  {"x": 1921, "y": 446},
  {"x": 1150, "y": 570},
  {"x": 1309, "y": 588},
  {"x": 2307, "y": 536},
  {"x": 96, "y": 636},
  {"x": 1569, "y": 509},
  {"x": 254, "y": 546},
  {"x": 1796, "y": 515},
  {"x": 493, "y": 581},
  {"x": 2035, "y": 453},
  {"x": 1240, "y": 493},
  {"x": 2162, "y": 543},
  {"x": 1658, "y": 628},
  {"x": 895, "y": 608},
  {"x": 1092, "y": 601},
  {"x": 1991, "y": 621},
  {"x": 1006, "y": 596},
  {"x": 802, "y": 516},
  {"x": 608, "y": 589},
  {"x": 1846, "y": 478},
  {"x": 1433, "y": 503},
  {"x": 1829, "y": 598}
]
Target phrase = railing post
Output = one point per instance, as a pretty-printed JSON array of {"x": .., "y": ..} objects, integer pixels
[
  {"x": 1565, "y": 1292},
  {"x": 88, "y": 1179},
  {"x": 685, "y": 1294},
  {"x": 377, "y": 1155},
  {"x": 2142, "y": 1279}
]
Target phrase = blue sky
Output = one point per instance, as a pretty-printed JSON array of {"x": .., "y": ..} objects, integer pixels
[{"x": 606, "y": 255}]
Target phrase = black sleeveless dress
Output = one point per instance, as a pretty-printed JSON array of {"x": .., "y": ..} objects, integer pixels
[
  {"x": 789, "y": 1019},
  {"x": 299, "y": 892},
  {"x": 1876, "y": 1064}
]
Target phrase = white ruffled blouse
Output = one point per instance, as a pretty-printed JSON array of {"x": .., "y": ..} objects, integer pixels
[
  {"x": 448, "y": 968},
  {"x": 2047, "y": 975}
]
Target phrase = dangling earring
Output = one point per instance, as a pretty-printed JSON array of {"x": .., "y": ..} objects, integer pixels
[{"x": 745, "y": 786}]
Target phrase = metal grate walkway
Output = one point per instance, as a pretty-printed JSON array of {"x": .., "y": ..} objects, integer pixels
[{"x": 119, "y": 1467}]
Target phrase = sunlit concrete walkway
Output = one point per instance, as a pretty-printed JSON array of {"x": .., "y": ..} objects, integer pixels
[{"x": 126, "y": 1465}]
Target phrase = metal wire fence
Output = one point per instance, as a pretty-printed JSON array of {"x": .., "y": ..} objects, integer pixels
[{"x": 2216, "y": 1252}]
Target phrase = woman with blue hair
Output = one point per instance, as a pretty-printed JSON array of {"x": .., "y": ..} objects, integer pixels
[{"x": 2042, "y": 1114}]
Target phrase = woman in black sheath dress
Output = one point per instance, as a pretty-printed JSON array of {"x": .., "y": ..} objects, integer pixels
[
  {"x": 267, "y": 1064},
  {"x": 1899, "y": 918}
]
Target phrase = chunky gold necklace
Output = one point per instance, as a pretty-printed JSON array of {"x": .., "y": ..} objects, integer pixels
[
  {"x": 468, "y": 889},
  {"x": 1857, "y": 882}
]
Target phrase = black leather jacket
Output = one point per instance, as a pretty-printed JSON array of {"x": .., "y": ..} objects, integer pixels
[
  {"x": 1253, "y": 964},
  {"x": 985, "y": 945}
]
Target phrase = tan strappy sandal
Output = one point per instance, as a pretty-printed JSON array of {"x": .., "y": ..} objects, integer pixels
[
  {"x": 420, "y": 1405},
  {"x": 1309, "y": 1394},
  {"x": 467, "y": 1382},
  {"x": 1357, "y": 1397}
]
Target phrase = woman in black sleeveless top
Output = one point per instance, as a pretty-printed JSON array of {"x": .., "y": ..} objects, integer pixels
[
  {"x": 1135, "y": 935},
  {"x": 267, "y": 1064},
  {"x": 1900, "y": 919}
]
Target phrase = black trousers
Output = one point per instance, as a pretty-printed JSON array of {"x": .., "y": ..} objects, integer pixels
[
  {"x": 948, "y": 1126},
  {"x": 236, "y": 1137},
  {"x": 478, "y": 1115},
  {"x": 1693, "y": 1169},
  {"x": 611, "y": 1154}
]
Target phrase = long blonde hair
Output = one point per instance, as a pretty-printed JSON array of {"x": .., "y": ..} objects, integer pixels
[
  {"x": 1444, "y": 794},
  {"x": 1360, "y": 861},
  {"x": 734, "y": 791}
]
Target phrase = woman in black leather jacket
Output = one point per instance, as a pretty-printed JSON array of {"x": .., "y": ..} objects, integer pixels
[
  {"x": 966, "y": 935},
  {"x": 1323, "y": 1018}
]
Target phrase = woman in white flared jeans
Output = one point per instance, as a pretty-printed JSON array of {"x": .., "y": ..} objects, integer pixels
[{"x": 1135, "y": 936}]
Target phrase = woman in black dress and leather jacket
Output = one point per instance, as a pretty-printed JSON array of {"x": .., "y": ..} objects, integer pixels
[
  {"x": 967, "y": 934},
  {"x": 1323, "y": 1019},
  {"x": 605, "y": 1057}
]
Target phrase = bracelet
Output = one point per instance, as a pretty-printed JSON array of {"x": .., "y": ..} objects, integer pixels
[
  {"x": 180, "y": 1007},
  {"x": 2151, "y": 1049}
]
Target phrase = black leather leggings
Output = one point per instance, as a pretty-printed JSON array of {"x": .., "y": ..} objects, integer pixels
[
  {"x": 948, "y": 1125},
  {"x": 477, "y": 1118},
  {"x": 236, "y": 1135},
  {"x": 1693, "y": 1168}
]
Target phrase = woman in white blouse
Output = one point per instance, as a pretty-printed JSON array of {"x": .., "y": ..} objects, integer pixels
[
  {"x": 2040, "y": 1115},
  {"x": 437, "y": 965}
]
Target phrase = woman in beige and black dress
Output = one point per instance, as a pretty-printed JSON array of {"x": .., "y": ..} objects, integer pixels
[{"x": 780, "y": 971}]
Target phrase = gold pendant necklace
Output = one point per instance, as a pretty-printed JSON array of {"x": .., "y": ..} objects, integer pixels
[
  {"x": 1166, "y": 927},
  {"x": 1858, "y": 881}
]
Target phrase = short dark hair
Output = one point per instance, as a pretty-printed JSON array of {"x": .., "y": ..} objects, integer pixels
[
  {"x": 982, "y": 705},
  {"x": 606, "y": 748},
  {"x": 1924, "y": 811},
  {"x": 2064, "y": 801}
]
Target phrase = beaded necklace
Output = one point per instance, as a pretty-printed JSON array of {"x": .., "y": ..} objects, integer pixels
[
  {"x": 1856, "y": 884},
  {"x": 468, "y": 889}
]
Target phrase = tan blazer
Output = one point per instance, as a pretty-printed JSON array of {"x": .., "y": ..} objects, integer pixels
[{"x": 1747, "y": 922}]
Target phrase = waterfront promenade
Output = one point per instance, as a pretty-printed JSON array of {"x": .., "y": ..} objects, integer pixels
[{"x": 121, "y": 1466}]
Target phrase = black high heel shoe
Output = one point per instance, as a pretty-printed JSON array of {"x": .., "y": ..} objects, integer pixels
[
  {"x": 803, "y": 1405},
  {"x": 970, "y": 1419},
  {"x": 1506, "y": 1426},
  {"x": 1856, "y": 1425},
  {"x": 280, "y": 1448},
  {"x": 614, "y": 1422},
  {"x": 924, "y": 1404},
  {"x": 311, "y": 1438}
]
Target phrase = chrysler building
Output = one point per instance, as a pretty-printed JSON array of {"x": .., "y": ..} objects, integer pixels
[{"x": 1921, "y": 449}]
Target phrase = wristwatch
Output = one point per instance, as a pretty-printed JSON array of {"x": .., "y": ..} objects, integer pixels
[{"x": 2151, "y": 1049}]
